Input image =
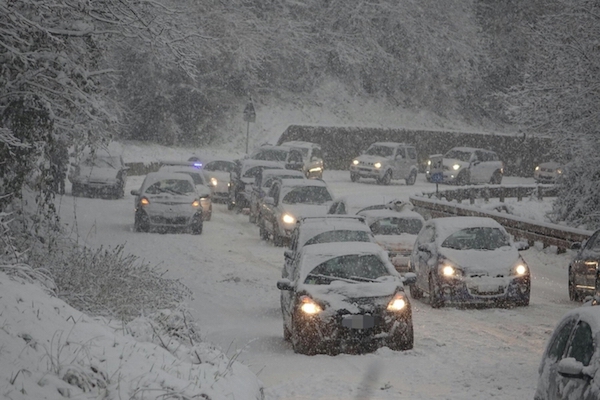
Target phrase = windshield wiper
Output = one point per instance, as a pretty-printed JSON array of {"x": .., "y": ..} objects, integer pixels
[
  {"x": 363, "y": 279},
  {"x": 332, "y": 278}
]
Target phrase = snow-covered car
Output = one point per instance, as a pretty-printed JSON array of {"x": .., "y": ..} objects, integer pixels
[
  {"x": 199, "y": 181},
  {"x": 468, "y": 165},
  {"x": 327, "y": 229},
  {"x": 242, "y": 179},
  {"x": 168, "y": 201},
  {"x": 217, "y": 174},
  {"x": 291, "y": 157},
  {"x": 353, "y": 204},
  {"x": 584, "y": 275},
  {"x": 289, "y": 200},
  {"x": 385, "y": 161},
  {"x": 312, "y": 156},
  {"x": 339, "y": 297},
  {"x": 570, "y": 366},
  {"x": 263, "y": 182},
  {"x": 99, "y": 173},
  {"x": 396, "y": 232},
  {"x": 462, "y": 260},
  {"x": 547, "y": 172}
]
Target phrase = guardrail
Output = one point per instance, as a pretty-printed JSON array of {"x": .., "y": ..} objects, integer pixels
[{"x": 548, "y": 234}]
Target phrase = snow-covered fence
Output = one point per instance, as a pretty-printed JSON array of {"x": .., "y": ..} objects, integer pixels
[
  {"x": 487, "y": 192},
  {"x": 521, "y": 228}
]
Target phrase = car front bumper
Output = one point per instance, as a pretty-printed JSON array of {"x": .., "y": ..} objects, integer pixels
[
  {"x": 366, "y": 171},
  {"x": 485, "y": 291}
]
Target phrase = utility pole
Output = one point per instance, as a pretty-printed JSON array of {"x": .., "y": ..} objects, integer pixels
[{"x": 249, "y": 116}]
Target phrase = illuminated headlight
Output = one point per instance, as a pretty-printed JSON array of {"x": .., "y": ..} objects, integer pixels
[
  {"x": 456, "y": 167},
  {"x": 559, "y": 171},
  {"x": 355, "y": 162},
  {"x": 288, "y": 219},
  {"x": 398, "y": 303},
  {"x": 196, "y": 204},
  {"x": 520, "y": 269},
  {"x": 144, "y": 201},
  {"x": 537, "y": 168},
  {"x": 377, "y": 165},
  {"x": 450, "y": 271},
  {"x": 316, "y": 169},
  {"x": 213, "y": 181},
  {"x": 428, "y": 162},
  {"x": 309, "y": 306}
]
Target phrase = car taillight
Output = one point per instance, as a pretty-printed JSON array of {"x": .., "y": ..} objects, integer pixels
[{"x": 144, "y": 201}]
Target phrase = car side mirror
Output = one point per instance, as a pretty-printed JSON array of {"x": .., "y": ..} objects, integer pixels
[
  {"x": 576, "y": 246},
  {"x": 424, "y": 247},
  {"x": 135, "y": 192},
  {"x": 409, "y": 278},
  {"x": 521, "y": 245},
  {"x": 570, "y": 368},
  {"x": 269, "y": 201},
  {"x": 288, "y": 255},
  {"x": 284, "y": 284}
]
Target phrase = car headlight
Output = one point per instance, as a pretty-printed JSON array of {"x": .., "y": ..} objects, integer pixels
[
  {"x": 196, "y": 203},
  {"x": 144, "y": 201},
  {"x": 449, "y": 271},
  {"x": 316, "y": 169},
  {"x": 355, "y": 162},
  {"x": 520, "y": 269},
  {"x": 288, "y": 219},
  {"x": 398, "y": 303},
  {"x": 456, "y": 167},
  {"x": 377, "y": 165},
  {"x": 537, "y": 168},
  {"x": 559, "y": 171},
  {"x": 213, "y": 181},
  {"x": 309, "y": 306},
  {"x": 428, "y": 162}
]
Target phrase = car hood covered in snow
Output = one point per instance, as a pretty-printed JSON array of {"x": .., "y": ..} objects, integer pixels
[{"x": 485, "y": 262}]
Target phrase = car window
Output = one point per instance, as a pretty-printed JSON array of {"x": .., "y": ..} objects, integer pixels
[
  {"x": 400, "y": 153},
  {"x": 341, "y": 235},
  {"x": 103, "y": 162},
  {"x": 196, "y": 177},
  {"x": 396, "y": 226},
  {"x": 582, "y": 344},
  {"x": 560, "y": 339},
  {"x": 351, "y": 267},
  {"x": 479, "y": 238},
  {"x": 593, "y": 244},
  {"x": 271, "y": 155},
  {"x": 307, "y": 195},
  {"x": 317, "y": 153},
  {"x": 252, "y": 172},
  {"x": 427, "y": 235},
  {"x": 219, "y": 166},
  {"x": 412, "y": 153},
  {"x": 459, "y": 155},
  {"x": 383, "y": 151},
  {"x": 295, "y": 157}
]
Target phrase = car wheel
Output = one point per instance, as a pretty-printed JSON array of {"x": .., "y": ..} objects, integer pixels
[
  {"x": 435, "y": 298},
  {"x": 463, "y": 178},
  {"x": 277, "y": 238},
  {"x": 496, "y": 178},
  {"x": 573, "y": 295},
  {"x": 402, "y": 339},
  {"x": 301, "y": 343},
  {"x": 197, "y": 228},
  {"x": 387, "y": 178},
  {"x": 415, "y": 292},
  {"x": 412, "y": 178},
  {"x": 141, "y": 223},
  {"x": 354, "y": 177},
  {"x": 240, "y": 203}
]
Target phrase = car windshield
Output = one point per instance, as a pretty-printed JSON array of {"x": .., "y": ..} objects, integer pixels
[
  {"x": 307, "y": 195},
  {"x": 271, "y": 155},
  {"x": 219, "y": 166},
  {"x": 196, "y": 177},
  {"x": 383, "y": 151},
  {"x": 102, "y": 162},
  {"x": 396, "y": 226},
  {"x": 269, "y": 182},
  {"x": 459, "y": 155},
  {"x": 477, "y": 239},
  {"x": 253, "y": 172},
  {"x": 173, "y": 186},
  {"x": 341, "y": 235},
  {"x": 350, "y": 268}
]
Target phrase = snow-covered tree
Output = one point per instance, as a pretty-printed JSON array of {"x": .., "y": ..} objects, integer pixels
[{"x": 560, "y": 96}]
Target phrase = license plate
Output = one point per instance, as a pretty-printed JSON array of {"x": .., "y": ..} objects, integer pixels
[{"x": 358, "y": 321}]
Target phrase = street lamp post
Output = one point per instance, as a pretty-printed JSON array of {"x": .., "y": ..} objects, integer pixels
[{"x": 249, "y": 116}]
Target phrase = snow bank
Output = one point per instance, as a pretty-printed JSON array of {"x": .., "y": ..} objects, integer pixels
[{"x": 49, "y": 350}]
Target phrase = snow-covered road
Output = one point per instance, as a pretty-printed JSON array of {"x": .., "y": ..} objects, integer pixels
[{"x": 458, "y": 354}]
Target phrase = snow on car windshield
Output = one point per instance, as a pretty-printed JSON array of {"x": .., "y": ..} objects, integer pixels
[
  {"x": 175, "y": 186},
  {"x": 396, "y": 226},
  {"x": 351, "y": 268},
  {"x": 307, "y": 195},
  {"x": 458, "y": 155},
  {"x": 383, "y": 151},
  {"x": 479, "y": 238},
  {"x": 271, "y": 155},
  {"x": 340, "y": 236}
]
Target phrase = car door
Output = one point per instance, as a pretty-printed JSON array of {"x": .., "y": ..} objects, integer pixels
[
  {"x": 423, "y": 255},
  {"x": 581, "y": 349},
  {"x": 477, "y": 167},
  {"x": 269, "y": 208},
  {"x": 585, "y": 264}
]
